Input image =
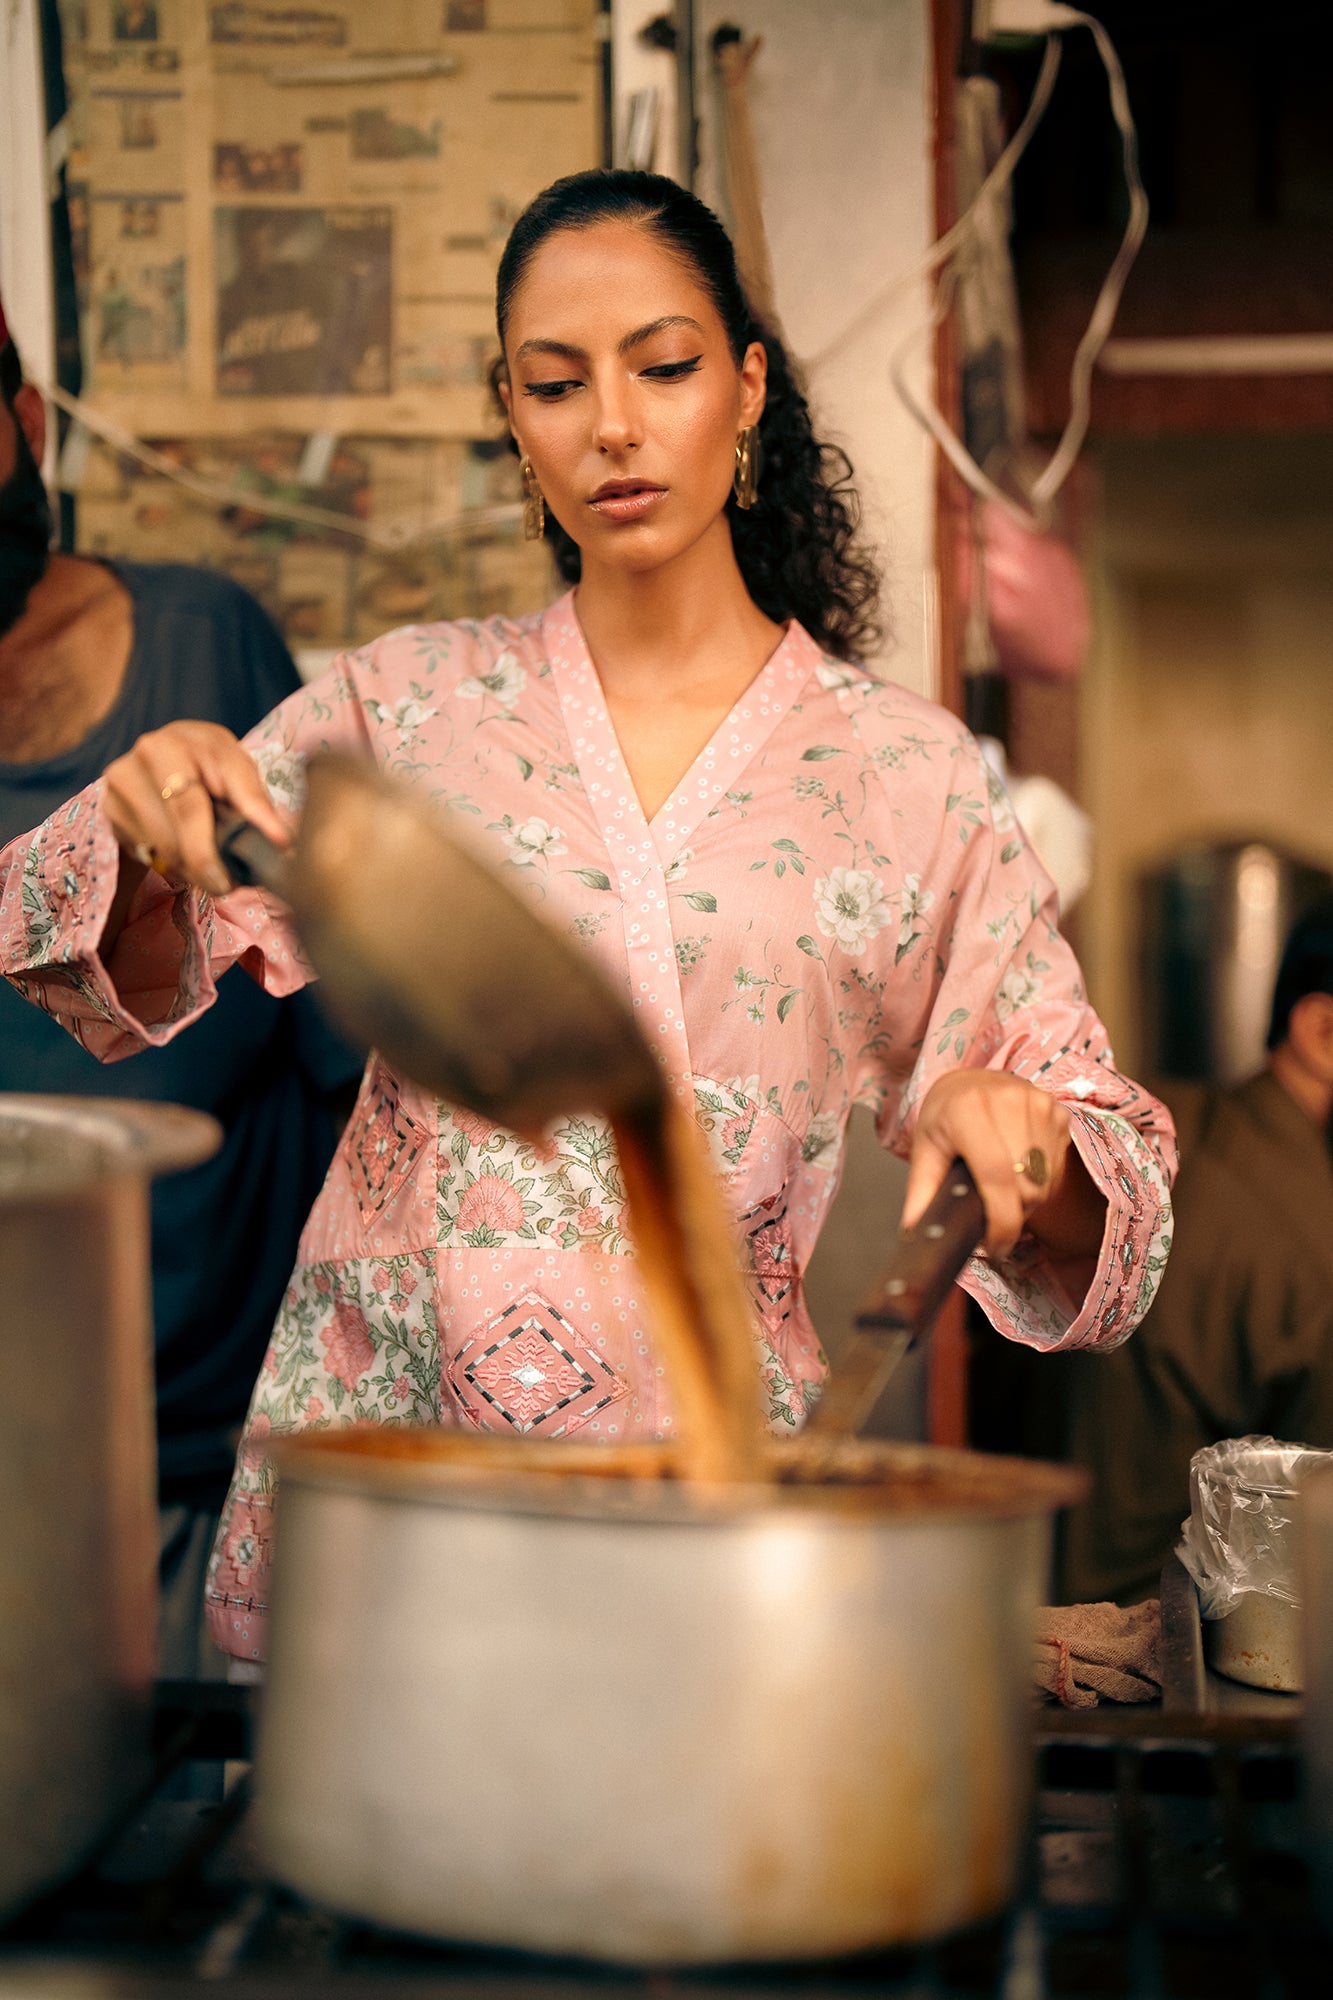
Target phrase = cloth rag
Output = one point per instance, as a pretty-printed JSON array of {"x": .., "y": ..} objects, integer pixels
[{"x": 1086, "y": 1653}]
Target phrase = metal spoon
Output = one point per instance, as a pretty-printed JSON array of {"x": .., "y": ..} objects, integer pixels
[{"x": 424, "y": 953}]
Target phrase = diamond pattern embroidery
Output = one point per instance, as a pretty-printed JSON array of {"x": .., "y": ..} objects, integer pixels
[
  {"x": 769, "y": 1243},
  {"x": 529, "y": 1367},
  {"x": 384, "y": 1148}
]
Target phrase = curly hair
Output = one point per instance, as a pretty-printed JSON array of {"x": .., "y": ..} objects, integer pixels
[{"x": 797, "y": 546}]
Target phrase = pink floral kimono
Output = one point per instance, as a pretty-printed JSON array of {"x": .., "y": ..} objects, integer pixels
[{"x": 834, "y": 906}]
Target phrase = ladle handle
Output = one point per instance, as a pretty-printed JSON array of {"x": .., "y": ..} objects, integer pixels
[{"x": 250, "y": 857}]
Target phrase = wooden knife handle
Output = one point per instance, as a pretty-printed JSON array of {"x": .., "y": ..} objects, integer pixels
[
  {"x": 250, "y": 857},
  {"x": 928, "y": 1258}
]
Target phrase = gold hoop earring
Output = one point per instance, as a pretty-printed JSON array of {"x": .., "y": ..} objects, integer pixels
[
  {"x": 534, "y": 503},
  {"x": 745, "y": 480}
]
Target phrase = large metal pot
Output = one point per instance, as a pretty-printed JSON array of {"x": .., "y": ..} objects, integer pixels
[
  {"x": 78, "y": 1555},
  {"x": 640, "y": 1722}
]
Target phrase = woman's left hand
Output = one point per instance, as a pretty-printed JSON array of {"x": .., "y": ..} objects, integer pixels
[{"x": 998, "y": 1123}]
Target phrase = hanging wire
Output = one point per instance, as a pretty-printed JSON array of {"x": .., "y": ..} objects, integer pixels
[
  {"x": 953, "y": 240},
  {"x": 393, "y": 536},
  {"x": 1036, "y": 515}
]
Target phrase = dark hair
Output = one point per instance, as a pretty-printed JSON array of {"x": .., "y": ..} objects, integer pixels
[
  {"x": 797, "y": 546},
  {"x": 11, "y": 373},
  {"x": 1307, "y": 966}
]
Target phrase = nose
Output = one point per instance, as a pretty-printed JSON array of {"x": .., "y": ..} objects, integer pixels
[{"x": 617, "y": 427}]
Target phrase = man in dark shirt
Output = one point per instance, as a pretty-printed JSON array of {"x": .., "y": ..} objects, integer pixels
[
  {"x": 1240, "y": 1336},
  {"x": 91, "y": 655}
]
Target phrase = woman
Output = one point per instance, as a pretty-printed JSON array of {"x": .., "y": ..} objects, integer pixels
[{"x": 801, "y": 876}]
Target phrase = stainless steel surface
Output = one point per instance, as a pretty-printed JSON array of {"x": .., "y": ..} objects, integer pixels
[
  {"x": 484, "y": 1004},
  {"x": 1259, "y": 1643},
  {"x": 78, "y": 1557},
  {"x": 1245, "y": 1506},
  {"x": 635, "y": 1722},
  {"x": 1190, "y": 1686}
]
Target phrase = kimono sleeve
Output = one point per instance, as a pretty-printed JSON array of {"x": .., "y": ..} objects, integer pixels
[
  {"x": 1007, "y": 994},
  {"x": 57, "y": 885}
]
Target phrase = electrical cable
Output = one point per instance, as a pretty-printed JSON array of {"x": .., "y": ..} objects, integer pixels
[
  {"x": 954, "y": 238},
  {"x": 393, "y": 538},
  {"x": 1061, "y": 463},
  {"x": 1041, "y": 494}
]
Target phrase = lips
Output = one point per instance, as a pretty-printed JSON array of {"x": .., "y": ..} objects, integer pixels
[{"x": 626, "y": 499}]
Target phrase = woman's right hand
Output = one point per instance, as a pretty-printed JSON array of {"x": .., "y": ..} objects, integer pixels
[{"x": 159, "y": 798}]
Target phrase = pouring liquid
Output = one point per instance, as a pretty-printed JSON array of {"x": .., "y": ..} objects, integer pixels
[{"x": 699, "y": 1311}]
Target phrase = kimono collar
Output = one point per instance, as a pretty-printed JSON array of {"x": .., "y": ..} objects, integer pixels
[{"x": 737, "y": 740}]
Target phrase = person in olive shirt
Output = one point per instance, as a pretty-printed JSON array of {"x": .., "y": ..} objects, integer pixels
[
  {"x": 92, "y": 654},
  {"x": 1240, "y": 1337}
]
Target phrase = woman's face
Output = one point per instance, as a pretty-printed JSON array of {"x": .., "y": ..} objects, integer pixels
[{"x": 624, "y": 393}]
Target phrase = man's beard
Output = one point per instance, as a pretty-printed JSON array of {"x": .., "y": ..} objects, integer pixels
[{"x": 25, "y": 535}]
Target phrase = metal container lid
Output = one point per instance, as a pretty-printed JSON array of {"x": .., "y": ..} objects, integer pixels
[
  {"x": 1240, "y": 1535},
  {"x": 1262, "y": 1465},
  {"x": 57, "y": 1145}
]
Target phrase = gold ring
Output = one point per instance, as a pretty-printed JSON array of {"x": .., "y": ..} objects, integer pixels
[
  {"x": 179, "y": 781},
  {"x": 1033, "y": 1166}
]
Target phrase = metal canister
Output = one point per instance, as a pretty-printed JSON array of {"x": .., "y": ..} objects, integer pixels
[
  {"x": 1240, "y": 1546},
  {"x": 78, "y": 1557}
]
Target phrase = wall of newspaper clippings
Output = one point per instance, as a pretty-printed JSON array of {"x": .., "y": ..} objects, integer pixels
[{"x": 286, "y": 223}]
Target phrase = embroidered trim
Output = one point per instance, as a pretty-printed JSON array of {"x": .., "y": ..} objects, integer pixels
[
  {"x": 530, "y": 1367},
  {"x": 385, "y": 1147},
  {"x": 768, "y": 1245}
]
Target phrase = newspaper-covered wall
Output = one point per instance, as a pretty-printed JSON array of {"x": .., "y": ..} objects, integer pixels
[{"x": 286, "y": 221}]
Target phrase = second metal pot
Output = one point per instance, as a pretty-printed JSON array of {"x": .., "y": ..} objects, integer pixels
[{"x": 78, "y": 1555}]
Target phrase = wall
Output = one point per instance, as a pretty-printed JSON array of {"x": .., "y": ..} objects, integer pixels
[
  {"x": 292, "y": 286},
  {"x": 639, "y": 66},
  {"x": 1208, "y": 707},
  {"x": 840, "y": 99}
]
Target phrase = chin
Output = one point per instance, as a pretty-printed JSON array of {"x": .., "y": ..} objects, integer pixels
[
  {"x": 652, "y": 546},
  {"x": 634, "y": 550}
]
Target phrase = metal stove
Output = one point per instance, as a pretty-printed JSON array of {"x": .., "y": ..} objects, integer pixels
[{"x": 1165, "y": 1863}]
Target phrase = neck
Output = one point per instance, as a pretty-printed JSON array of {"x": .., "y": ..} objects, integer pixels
[
  {"x": 637, "y": 622},
  {"x": 63, "y": 662},
  {"x": 62, "y": 585},
  {"x": 1312, "y": 1092}
]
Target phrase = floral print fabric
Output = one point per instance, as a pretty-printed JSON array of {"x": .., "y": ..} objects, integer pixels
[{"x": 834, "y": 906}]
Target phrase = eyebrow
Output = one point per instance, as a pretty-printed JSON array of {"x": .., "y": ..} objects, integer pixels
[{"x": 569, "y": 352}]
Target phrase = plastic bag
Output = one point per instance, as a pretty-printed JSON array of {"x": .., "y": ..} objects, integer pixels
[{"x": 1240, "y": 1533}]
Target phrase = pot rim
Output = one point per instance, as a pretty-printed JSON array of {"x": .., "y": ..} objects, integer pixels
[
  {"x": 847, "y": 1480},
  {"x": 113, "y": 1135}
]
